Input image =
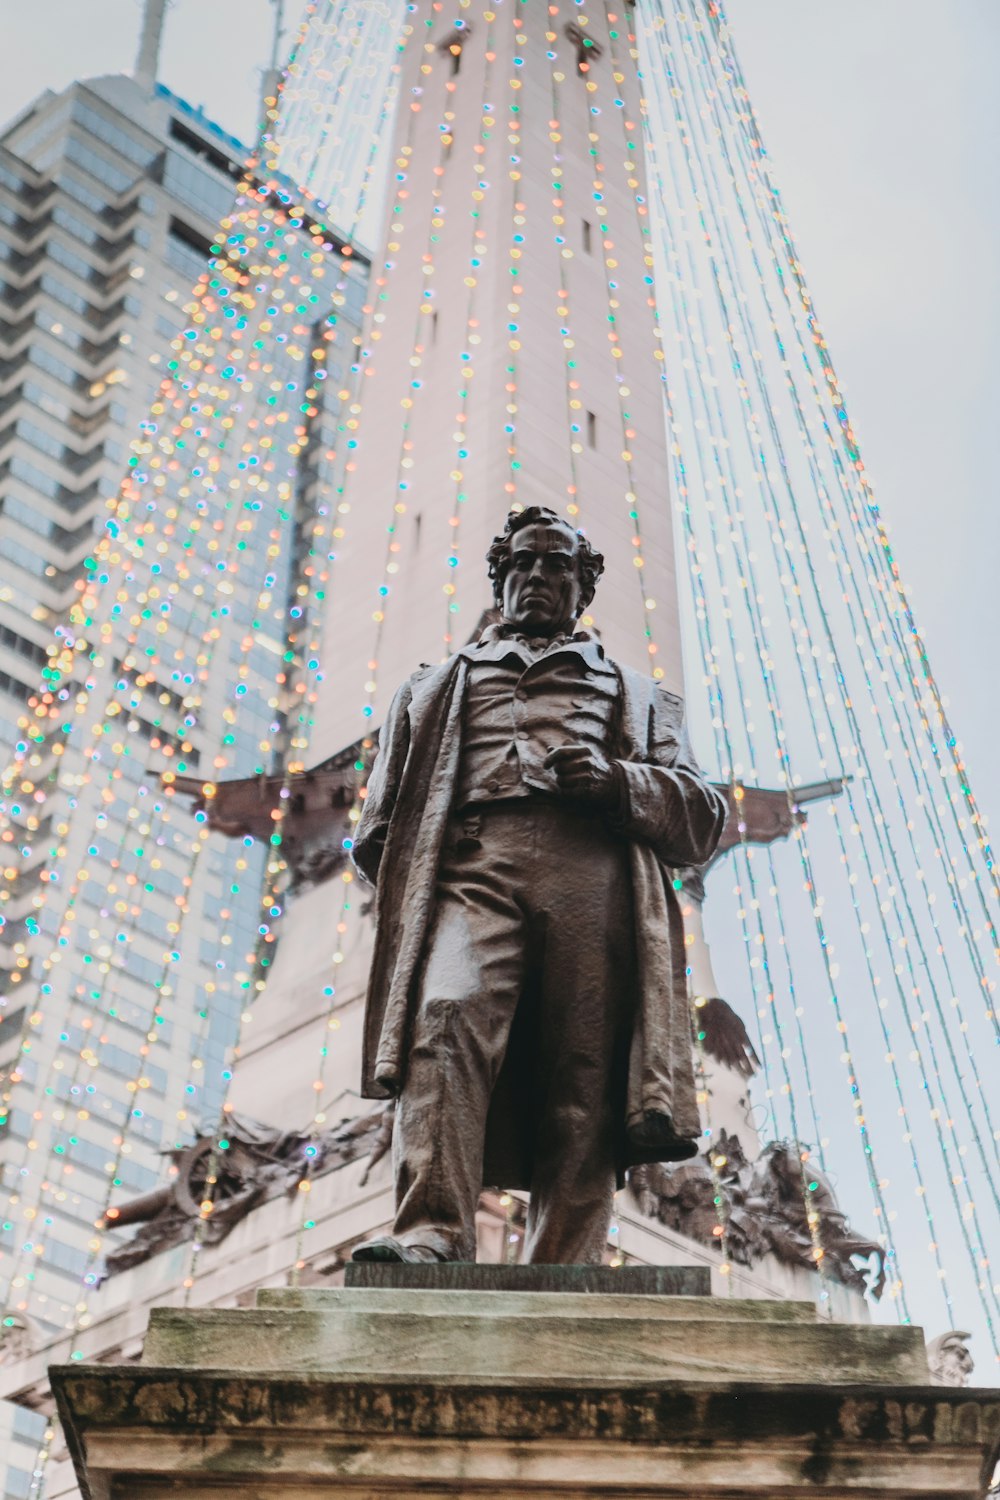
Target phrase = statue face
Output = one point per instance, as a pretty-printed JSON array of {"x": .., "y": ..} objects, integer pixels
[{"x": 541, "y": 590}]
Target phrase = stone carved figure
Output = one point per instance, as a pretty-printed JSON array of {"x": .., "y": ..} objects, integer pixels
[
  {"x": 260, "y": 1163},
  {"x": 765, "y": 1206},
  {"x": 20, "y": 1336},
  {"x": 527, "y": 999},
  {"x": 949, "y": 1359}
]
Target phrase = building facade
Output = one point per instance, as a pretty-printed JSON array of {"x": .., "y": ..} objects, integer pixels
[{"x": 127, "y": 940}]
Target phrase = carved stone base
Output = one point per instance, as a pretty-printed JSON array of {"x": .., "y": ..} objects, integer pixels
[
  {"x": 466, "y": 1276},
  {"x": 366, "y": 1392}
]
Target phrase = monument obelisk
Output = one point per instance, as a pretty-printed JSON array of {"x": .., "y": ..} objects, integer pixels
[{"x": 511, "y": 358}]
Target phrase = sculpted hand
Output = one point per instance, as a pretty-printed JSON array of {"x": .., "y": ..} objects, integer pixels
[{"x": 584, "y": 772}]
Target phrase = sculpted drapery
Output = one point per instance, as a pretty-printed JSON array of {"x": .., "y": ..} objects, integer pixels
[{"x": 670, "y": 817}]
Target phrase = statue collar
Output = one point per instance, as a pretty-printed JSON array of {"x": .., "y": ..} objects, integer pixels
[{"x": 493, "y": 634}]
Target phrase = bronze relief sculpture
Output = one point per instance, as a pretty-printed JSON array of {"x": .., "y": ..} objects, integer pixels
[{"x": 527, "y": 1001}]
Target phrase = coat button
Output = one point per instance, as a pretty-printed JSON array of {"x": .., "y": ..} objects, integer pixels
[
  {"x": 521, "y": 696},
  {"x": 522, "y": 734},
  {"x": 493, "y": 787}
]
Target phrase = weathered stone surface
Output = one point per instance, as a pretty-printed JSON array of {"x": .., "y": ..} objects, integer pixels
[
  {"x": 541, "y": 1338},
  {"x": 202, "y": 1433},
  {"x": 464, "y": 1276},
  {"x": 573, "y": 1305},
  {"x": 570, "y": 1395}
]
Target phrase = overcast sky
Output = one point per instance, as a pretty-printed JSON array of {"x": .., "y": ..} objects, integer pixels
[{"x": 881, "y": 118}]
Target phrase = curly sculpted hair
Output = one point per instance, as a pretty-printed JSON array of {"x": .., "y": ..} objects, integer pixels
[{"x": 591, "y": 562}]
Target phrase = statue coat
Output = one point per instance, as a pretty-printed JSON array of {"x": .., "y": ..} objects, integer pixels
[{"x": 675, "y": 818}]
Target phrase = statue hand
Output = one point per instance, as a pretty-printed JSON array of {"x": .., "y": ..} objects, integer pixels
[{"x": 584, "y": 772}]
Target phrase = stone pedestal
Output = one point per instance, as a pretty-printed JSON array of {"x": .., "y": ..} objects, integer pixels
[{"x": 413, "y": 1391}]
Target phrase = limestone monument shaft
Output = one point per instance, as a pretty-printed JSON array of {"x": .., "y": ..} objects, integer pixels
[{"x": 528, "y": 998}]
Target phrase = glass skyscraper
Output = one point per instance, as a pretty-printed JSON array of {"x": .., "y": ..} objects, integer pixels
[{"x": 127, "y": 939}]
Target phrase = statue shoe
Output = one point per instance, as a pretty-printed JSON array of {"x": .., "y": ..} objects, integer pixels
[
  {"x": 386, "y": 1249},
  {"x": 655, "y": 1135}
]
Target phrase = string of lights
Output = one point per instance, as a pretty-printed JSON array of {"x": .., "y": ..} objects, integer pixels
[
  {"x": 883, "y": 839},
  {"x": 846, "y": 580},
  {"x": 83, "y": 875},
  {"x": 754, "y": 904},
  {"x": 849, "y": 474},
  {"x": 212, "y": 635},
  {"x": 683, "y": 320},
  {"x": 330, "y": 1022},
  {"x": 162, "y": 988},
  {"x": 694, "y": 119},
  {"x": 338, "y": 100},
  {"x": 879, "y": 821},
  {"x": 596, "y": 81},
  {"x": 236, "y": 544},
  {"x": 769, "y": 1008},
  {"x": 478, "y": 259},
  {"x": 304, "y": 677},
  {"x": 420, "y": 353},
  {"x": 765, "y": 648},
  {"x": 715, "y": 1160},
  {"x": 564, "y": 307},
  {"x": 900, "y": 611}
]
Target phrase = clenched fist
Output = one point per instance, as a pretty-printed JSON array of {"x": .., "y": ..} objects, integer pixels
[{"x": 582, "y": 771}]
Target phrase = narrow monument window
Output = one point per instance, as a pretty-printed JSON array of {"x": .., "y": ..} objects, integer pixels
[
  {"x": 586, "y": 49},
  {"x": 451, "y": 48},
  {"x": 586, "y": 236},
  {"x": 591, "y": 430},
  {"x": 434, "y": 326}
]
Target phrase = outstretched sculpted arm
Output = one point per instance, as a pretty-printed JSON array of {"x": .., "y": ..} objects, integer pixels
[{"x": 383, "y": 787}]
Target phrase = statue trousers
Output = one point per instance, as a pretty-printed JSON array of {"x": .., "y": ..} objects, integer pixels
[{"x": 521, "y": 1030}]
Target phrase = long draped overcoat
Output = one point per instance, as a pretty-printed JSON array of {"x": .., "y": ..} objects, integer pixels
[{"x": 673, "y": 818}]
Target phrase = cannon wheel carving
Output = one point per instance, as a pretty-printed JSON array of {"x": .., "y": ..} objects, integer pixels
[{"x": 194, "y": 1168}]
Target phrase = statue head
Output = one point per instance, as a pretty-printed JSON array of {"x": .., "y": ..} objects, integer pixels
[{"x": 544, "y": 573}]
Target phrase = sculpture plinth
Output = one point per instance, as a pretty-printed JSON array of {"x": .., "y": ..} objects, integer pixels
[
  {"x": 363, "y": 1392},
  {"x": 463, "y": 1276}
]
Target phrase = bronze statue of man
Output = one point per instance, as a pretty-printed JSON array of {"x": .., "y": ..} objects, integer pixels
[{"x": 527, "y": 1001}]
